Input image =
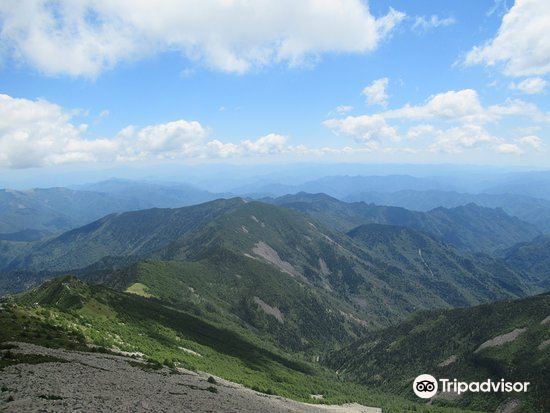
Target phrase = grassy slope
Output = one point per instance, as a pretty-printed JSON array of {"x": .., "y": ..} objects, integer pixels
[
  {"x": 391, "y": 358},
  {"x": 68, "y": 313}
]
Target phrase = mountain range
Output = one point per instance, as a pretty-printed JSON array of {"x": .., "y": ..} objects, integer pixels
[
  {"x": 469, "y": 227},
  {"x": 34, "y": 214},
  {"x": 535, "y": 211},
  {"x": 258, "y": 291}
]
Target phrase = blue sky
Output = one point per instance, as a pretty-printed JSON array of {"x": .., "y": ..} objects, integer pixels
[{"x": 89, "y": 87}]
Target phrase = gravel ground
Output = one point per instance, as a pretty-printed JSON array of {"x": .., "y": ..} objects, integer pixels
[{"x": 96, "y": 382}]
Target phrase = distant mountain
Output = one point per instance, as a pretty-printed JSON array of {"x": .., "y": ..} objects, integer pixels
[
  {"x": 33, "y": 214},
  {"x": 535, "y": 211},
  {"x": 342, "y": 186},
  {"x": 532, "y": 257},
  {"x": 504, "y": 340},
  {"x": 469, "y": 227},
  {"x": 52, "y": 210},
  {"x": 152, "y": 194},
  {"x": 534, "y": 183}
]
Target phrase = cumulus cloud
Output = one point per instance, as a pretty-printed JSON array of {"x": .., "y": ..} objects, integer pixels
[
  {"x": 532, "y": 141},
  {"x": 84, "y": 38},
  {"x": 35, "y": 133},
  {"x": 454, "y": 121},
  {"x": 508, "y": 148},
  {"x": 530, "y": 86},
  {"x": 376, "y": 92},
  {"x": 465, "y": 106},
  {"x": 459, "y": 138},
  {"x": 365, "y": 129},
  {"x": 522, "y": 44},
  {"x": 462, "y": 104},
  {"x": 423, "y": 23}
]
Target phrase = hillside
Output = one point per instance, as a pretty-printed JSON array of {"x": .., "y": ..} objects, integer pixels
[
  {"x": 533, "y": 257},
  {"x": 70, "y": 314},
  {"x": 469, "y": 227},
  {"x": 507, "y": 339},
  {"x": 450, "y": 272},
  {"x": 132, "y": 233}
]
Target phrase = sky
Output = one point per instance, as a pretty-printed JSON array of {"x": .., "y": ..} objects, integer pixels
[{"x": 102, "y": 82}]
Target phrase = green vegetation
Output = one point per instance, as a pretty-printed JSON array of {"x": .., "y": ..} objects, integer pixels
[
  {"x": 138, "y": 289},
  {"x": 532, "y": 257},
  {"x": 275, "y": 271},
  {"x": 446, "y": 344},
  {"x": 257, "y": 293},
  {"x": 469, "y": 227},
  {"x": 69, "y": 313}
]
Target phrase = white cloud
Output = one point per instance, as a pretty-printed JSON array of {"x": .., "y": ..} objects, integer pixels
[
  {"x": 462, "y": 104},
  {"x": 420, "y": 131},
  {"x": 531, "y": 140},
  {"x": 530, "y": 86},
  {"x": 344, "y": 109},
  {"x": 39, "y": 133},
  {"x": 508, "y": 148},
  {"x": 522, "y": 43},
  {"x": 457, "y": 139},
  {"x": 170, "y": 140},
  {"x": 376, "y": 92},
  {"x": 84, "y": 38},
  {"x": 365, "y": 129},
  {"x": 465, "y": 106},
  {"x": 36, "y": 133},
  {"x": 461, "y": 110},
  {"x": 426, "y": 23}
]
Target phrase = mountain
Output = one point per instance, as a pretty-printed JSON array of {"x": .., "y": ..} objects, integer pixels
[
  {"x": 132, "y": 233},
  {"x": 535, "y": 211},
  {"x": 152, "y": 194},
  {"x": 34, "y": 214},
  {"x": 533, "y": 183},
  {"x": 469, "y": 227},
  {"x": 532, "y": 257},
  {"x": 342, "y": 186},
  {"x": 447, "y": 270},
  {"x": 244, "y": 258},
  {"x": 52, "y": 210},
  {"x": 506, "y": 339}
]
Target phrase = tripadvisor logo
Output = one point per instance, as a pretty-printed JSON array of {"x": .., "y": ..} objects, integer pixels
[{"x": 425, "y": 386}]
